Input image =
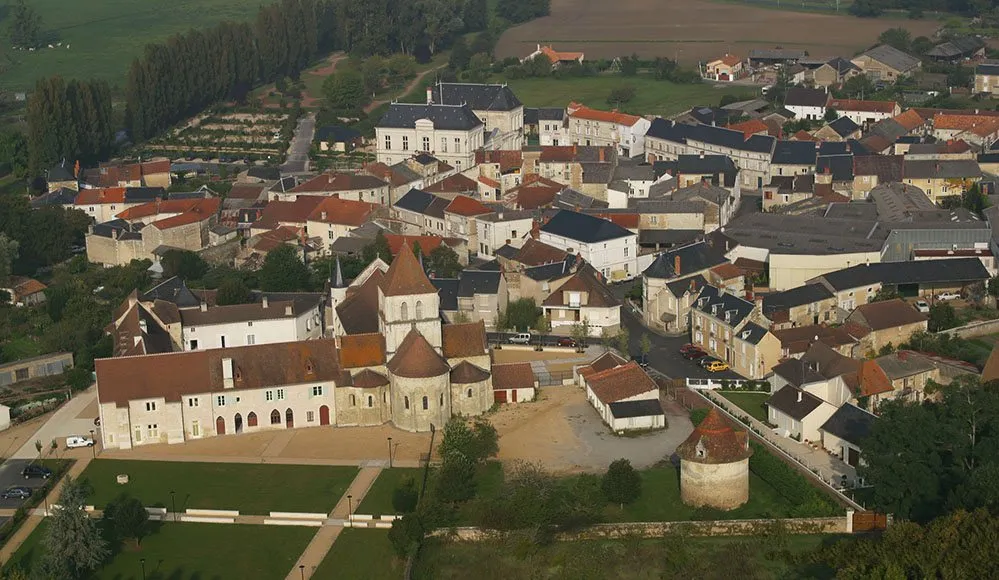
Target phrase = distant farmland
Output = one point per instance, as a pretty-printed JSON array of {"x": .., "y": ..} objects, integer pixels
[
  {"x": 695, "y": 30},
  {"x": 101, "y": 37}
]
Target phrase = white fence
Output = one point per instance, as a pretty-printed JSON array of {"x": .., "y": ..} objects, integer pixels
[{"x": 715, "y": 384}]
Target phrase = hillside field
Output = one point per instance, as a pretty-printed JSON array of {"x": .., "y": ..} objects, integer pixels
[{"x": 101, "y": 37}]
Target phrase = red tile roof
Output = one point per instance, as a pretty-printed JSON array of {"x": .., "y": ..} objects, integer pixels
[
  {"x": 979, "y": 125},
  {"x": 405, "y": 277},
  {"x": 583, "y": 112},
  {"x": 508, "y": 160},
  {"x": 362, "y": 350},
  {"x": 427, "y": 243},
  {"x": 465, "y": 373},
  {"x": 715, "y": 441},
  {"x": 728, "y": 60},
  {"x": 751, "y": 127},
  {"x": 288, "y": 212},
  {"x": 200, "y": 210},
  {"x": 627, "y": 221},
  {"x": 886, "y": 107},
  {"x": 556, "y": 56},
  {"x": 333, "y": 210},
  {"x": 100, "y": 195},
  {"x": 873, "y": 380},
  {"x": 490, "y": 182},
  {"x": 338, "y": 182},
  {"x": 466, "y": 206},
  {"x": 416, "y": 359},
  {"x": 621, "y": 382},
  {"x": 464, "y": 340},
  {"x": 457, "y": 183},
  {"x": 909, "y": 120},
  {"x": 803, "y": 135},
  {"x": 513, "y": 376}
]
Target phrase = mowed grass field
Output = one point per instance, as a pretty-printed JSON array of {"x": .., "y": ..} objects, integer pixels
[
  {"x": 696, "y": 30},
  {"x": 652, "y": 97},
  {"x": 101, "y": 37}
]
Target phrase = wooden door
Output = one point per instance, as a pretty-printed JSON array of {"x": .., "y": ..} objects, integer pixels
[
  {"x": 220, "y": 426},
  {"x": 324, "y": 415}
]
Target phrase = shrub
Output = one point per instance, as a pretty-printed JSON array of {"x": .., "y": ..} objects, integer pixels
[{"x": 805, "y": 499}]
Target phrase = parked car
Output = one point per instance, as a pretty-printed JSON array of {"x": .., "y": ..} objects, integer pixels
[
  {"x": 33, "y": 470},
  {"x": 16, "y": 493},
  {"x": 716, "y": 366},
  {"x": 565, "y": 341},
  {"x": 694, "y": 354},
  {"x": 688, "y": 347},
  {"x": 922, "y": 306},
  {"x": 641, "y": 360},
  {"x": 948, "y": 296},
  {"x": 521, "y": 338},
  {"x": 74, "y": 441}
]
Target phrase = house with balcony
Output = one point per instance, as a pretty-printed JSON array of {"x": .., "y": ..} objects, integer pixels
[
  {"x": 734, "y": 330},
  {"x": 583, "y": 297}
]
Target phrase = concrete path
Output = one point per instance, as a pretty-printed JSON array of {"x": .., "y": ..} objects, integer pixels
[
  {"x": 64, "y": 422},
  {"x": 327, "y": 535},
  {"x": 131, "y": 455},
  {"x": 33, "y": 520}
]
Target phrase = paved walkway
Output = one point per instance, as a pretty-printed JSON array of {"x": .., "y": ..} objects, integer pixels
[
  {"x": 64, "y": 422},
  {"x": 829, "y": 467},
  {"x": 33, "y": 520},
  {"x": 130, "y": 456},
  {"x": 327, "y": 535}
]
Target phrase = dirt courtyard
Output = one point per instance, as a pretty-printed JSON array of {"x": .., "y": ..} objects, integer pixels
[{"x": 694, "y": 30}]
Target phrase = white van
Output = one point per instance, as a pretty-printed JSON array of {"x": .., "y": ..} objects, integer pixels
[
  {"x": 521, "y": 338},
  {"x": 74, "y": 441}
]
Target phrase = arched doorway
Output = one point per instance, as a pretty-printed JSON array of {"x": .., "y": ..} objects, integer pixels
[
  {"x": 275, "y": 417},
  {"x": 238, "y": 422},
  {"x": 289, "y": 418},
  {"x": 220, "y": 426},
  {"x": 324, "y": 415},
  {"x": 251, "y": 419}
]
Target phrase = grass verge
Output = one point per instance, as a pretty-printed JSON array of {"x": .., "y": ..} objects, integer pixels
[
  {"x": 364, "y": 554},
  {"x": 749, "y": 402},
  {"x": 378, "y": 500}
]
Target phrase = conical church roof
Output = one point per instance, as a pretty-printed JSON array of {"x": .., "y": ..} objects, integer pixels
[
  {"x": 405, "y": 276},
  {"x": 416, "y": 359}
]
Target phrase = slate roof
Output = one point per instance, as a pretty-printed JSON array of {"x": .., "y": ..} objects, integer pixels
[
  {"x": 892, "y": 57},
  {"x": 681, "y": 286},
  {"x": 447, "y": 291},
  {"x": 583, "y": 228},
  {"x": 752, "y": 333},
  {"x": 682, "y": 133},
  {"x": 844, "y": 126},
  {"x": 805, "y": 97},
  {"x": 850, "y": 423},
  {"x": 551, "y": 271},
  {"x": 943, "y": 271},
  {"x": 336, "y": 134},
  {"x": 479, "y": 97},
  {"x": 942, "y": 168},
  {"x": 535, "y": 253},
  {"x": 714, "y": 441},
  {"x": 787, "y": 401},
  {"x": 444, "y": 117},
  {"x": 584, "y": 280},
  {"x": 988, "y": 69},
  {"x": 472, "y": 282},
  {"x": 800, "y": 296},
  {"x": 716, "y": 304},
  {"x": 358, "y": 313},
  {"x": 172, "y": 290},
  {"x": 629, "y": 409},
  {"x": 695, "y": 257},
  {"x": 794, "y": 153},
  {"x": 415, "y": 200},
  {"x": 887, "y": 314},
  {"x": 840, "y": 166},
  {"x": 61, "y": 196},
  {"x": 888, "y": 168}
]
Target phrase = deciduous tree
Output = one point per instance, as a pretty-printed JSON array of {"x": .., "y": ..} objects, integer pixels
[
  {"x": 127, "y": 517},
  {"x": 621, "y": 484},
  {"x": 345, "y": 91},
  {"x": 232, "y": 291},
  {"x": 283, "y": 271},
  {"x": 25, "y": 25}
]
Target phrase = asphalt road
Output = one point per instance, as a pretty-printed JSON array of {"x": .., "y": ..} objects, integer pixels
[
  {"x": 10, "y": 475},
  {"x": 298, "y": 150}
]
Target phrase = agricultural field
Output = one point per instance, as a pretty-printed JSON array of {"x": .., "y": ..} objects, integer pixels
[
  {"x": 251, "y": 134},
  {"x": 695, "y": 30},
  {"x": 100, "y": 39}
]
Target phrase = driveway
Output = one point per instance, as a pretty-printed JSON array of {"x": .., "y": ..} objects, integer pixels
[{"x": 298, "y": 150}]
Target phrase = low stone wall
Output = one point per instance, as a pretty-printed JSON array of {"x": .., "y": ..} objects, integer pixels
[
  {"x": 836, "y": 525},
  {"x": 977, "y": 328}
]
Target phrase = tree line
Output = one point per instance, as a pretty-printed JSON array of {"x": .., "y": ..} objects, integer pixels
[
  {"x": 916, "y": 8},
  {"x": 179, "y": 77}
]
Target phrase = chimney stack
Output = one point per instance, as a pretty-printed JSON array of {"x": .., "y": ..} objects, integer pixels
[
  {"x": 676, "y": 264},
  {"x": 430, "y": 95},
  {"x": 799, "y": 396}
]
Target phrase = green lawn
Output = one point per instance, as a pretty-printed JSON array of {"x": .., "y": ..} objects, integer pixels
[
  {"x": 378, "y": 500},
  {"x": 249, "y": 488},
  {"x": 749, "y": 402},
  {"x": 366, "y": 554},
  {"x": 100, "y": 38},
  {"x": 652, "y": 97},
  {"x": 660, "y": 501},
  {"x": 758, "y": 557},
  {"x": 185, "y": 551}
]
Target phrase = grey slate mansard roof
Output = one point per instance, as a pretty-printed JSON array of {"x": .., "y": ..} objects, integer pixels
[
  {"x": 726, "y": 302},
  {"x": 681, "y": 133},
  {"x": 799, "y": 296},
  {"x": 795, "y": 153},
  {"x": 415, "y": 200},
  {"x": 583, "y": 228},
  {"x": 479, "y": 97},
  {"x": 444, "y": 117}
]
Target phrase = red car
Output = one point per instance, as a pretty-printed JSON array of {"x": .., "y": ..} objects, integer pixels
[
  {"x": 689, "y": 346},
  {"x": 566, "y": 342},
  {"x": 693, "y": 354}
]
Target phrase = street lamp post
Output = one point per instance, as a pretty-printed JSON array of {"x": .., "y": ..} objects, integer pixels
[
  {"x": 142, "y": 566},
  {"x": 301, "y": 568},
  {"x": 93, "y": 446},
  {"x": 173, "y": 502},
  {"x": 350, "y": 509},
  {"x": 390, "y": 452}
]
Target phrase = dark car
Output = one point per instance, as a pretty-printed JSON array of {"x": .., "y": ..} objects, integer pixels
[
  {"x": 35, "y": 471},
  {"x": 694, "y": 354},
  {"x": 641, "y": 360},
  {"x": 16, "y": 493},
  {"x": 565, "y": 342},
  {"x": 688, "y": 347}
]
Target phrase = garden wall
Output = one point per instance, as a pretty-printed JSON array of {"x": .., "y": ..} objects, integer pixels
[{"x": 977, "y": 328}]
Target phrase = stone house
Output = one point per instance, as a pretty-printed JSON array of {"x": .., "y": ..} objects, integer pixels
[
  {"x": 23, "y": 291},
  {"x": 667, "y": 140},
  {"x": 886, "y": 322},
  {"x": 805, "y": 305},
  {"x": 886, "y": 63},
  {"x": 908, "y": 376},
  {"x": 584, "y": 296},
  {"x": 452, "y": 133},
  {"x": 672, "y": 283},
  {"x": 609, "y": 248},
  {"x": 734, "y": 330},
  {"x": 152, "y": 173},
  {"x": 864, "y": 112},
  {"x": 502, "y": 228},
  {"x": 46, "y": 365},
  {"x": 987, "y": 79},
  {"x": 514, "y": 382},
  {"x": 348, "y": 186},
  {"x": 501, "y": 112},
  {"x": 475, "y": 295},
  {"x": 625, "y": 133},
  {"x": 725, "y": 69},
  {"x": 334, "y": 218}
]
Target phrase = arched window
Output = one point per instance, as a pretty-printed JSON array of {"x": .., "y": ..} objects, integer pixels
[
  {"x": 442, "y": 399},
  {"x": 404, "y": 310},
  {"x": 353, "y": 401},
  {"x": 251, "y": 419},
  {"x": 419, "y": 309},
  {"x": 371, "y": 401},
  {"x": 275, "y": 417},
  {"x": 469, "y": 393},
  {"x": 426, "y": 403},
  {"x": 405, "y": 401}
]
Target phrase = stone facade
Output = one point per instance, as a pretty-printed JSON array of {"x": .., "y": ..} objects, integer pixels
[{"x": 722, "y": 486}]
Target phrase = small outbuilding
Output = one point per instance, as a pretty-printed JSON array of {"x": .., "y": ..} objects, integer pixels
[{"x": 714, "y": 464}]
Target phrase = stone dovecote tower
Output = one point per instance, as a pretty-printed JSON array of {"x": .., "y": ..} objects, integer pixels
[{"x": 714, "y": 465}]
